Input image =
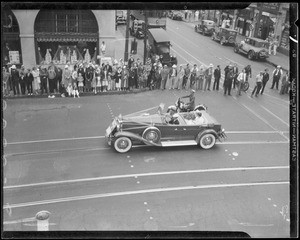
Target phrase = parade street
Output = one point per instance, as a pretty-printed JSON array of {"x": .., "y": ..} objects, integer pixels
[{"x": 57, "y": 159}]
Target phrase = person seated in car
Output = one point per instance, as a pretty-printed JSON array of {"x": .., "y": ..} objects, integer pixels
[
  {"x": 191, "y": 104},
  {"x": 172, "y": 118}
]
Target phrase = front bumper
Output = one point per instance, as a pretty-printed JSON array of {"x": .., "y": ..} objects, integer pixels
[{"x": 222, "y": 135}]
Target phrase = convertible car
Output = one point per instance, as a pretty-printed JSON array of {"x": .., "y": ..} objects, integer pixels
[{"x": 163, "y": 130}]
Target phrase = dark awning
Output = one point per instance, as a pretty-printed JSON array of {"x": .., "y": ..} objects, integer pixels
[{"x": 66, "y": 37}]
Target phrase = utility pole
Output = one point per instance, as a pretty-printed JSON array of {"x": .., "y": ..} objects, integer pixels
[
  {"x": 146, "y": 36},
  {"x": 127, "y": 36},
  {"x": 257, "y": 24}
]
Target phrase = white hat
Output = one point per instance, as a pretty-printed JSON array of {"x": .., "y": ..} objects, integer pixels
[
  {"x": 13, "y": 66},
  {"x": 174, "y": 66},
  {"x": 211, "y": 65},
  {"x": 66, "y": 66}
]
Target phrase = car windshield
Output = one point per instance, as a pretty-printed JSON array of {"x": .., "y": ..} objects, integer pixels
[
  {"x": 163, "y": 48},
  {"x": 260, "y": 44}
]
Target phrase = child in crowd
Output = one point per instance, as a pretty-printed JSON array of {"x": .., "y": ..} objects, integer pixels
[
  {"x": 75, "y": 90},
  {"x": 80, "y": 82},
  {"x": 70, "y": 89}
]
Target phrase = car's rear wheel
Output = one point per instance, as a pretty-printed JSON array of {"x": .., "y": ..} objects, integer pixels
[
  {"x": 250, "y": 55},
  {"x": 122, "y": 144},
  {"x": 152, "y": 134},
  {"x": 213, "y": 36},
  {"x": 222, "y": 41},
  {"x": 207, "y": 141}
]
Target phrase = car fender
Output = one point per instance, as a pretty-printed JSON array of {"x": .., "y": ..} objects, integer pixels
[
  {"x": 134, "y": 136},
  {"x": 200, "y": 134}
]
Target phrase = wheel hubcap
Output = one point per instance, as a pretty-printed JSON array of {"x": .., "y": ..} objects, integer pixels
[
  {"x": 123, "y": 144},
  {"x": 207, "y": 141}
]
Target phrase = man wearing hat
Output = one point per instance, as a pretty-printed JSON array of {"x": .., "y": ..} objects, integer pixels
[
  {"x": 277, "y": 73},
  {"x": 257, "y": 88},
  {"x": 191, "y": 104},
  {"x": 228, "y": 80},
  {"x": 22, "y": 79},
  {"x": 217, "y": 76},
  {"x": 164, "y": 77},
  {"x": 173, "y": 76},
  {"x": 208, "y": 73},
  {"x": 15, "y": 79}
]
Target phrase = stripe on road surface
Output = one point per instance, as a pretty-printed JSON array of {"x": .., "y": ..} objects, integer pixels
[
  {"x": 144, "y": 175},
  {"x": 95, "y": 137},
  {"x": 156, "y": 190}
]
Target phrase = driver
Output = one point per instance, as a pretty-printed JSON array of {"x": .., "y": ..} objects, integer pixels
[{"x": 191, "y": 104}]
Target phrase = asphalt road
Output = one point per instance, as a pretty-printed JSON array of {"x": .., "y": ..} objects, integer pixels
[{"x": 56, "y": 159}]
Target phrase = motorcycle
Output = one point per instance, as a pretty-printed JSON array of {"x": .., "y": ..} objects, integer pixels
[{"x": 180, "y": 106}]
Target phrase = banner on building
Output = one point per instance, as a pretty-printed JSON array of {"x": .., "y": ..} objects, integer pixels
[
  {"x": 14, "y": 57},
  {"x": 106, "y": 60}
]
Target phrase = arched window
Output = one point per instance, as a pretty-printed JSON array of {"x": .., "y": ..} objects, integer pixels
[
  {"x": 59, "y": 31},
  {"x": 11, "y": 46},
  {"x": 66, "y": 21}
]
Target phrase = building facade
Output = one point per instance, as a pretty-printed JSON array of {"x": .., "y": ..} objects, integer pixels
[{"x": 38, "y": 36}]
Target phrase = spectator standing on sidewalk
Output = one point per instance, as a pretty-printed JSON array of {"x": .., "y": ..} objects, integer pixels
[
  {"x": 275, "y": 45},
  {"x": 201, "y": 77},
  {"x": 22, "y": 80},
  {"x": 80, "y": 82},
  {"x": 158, "y": 77},
  {"x": 172, "y": 77},
  {"x": 15, "y": 77},
  {"x": 196, "y": 15},
  {"x": 240, "y": 81},
  {"x": 236, "y": 73},
  {"x": 277, "y": 73},
  {"x": 36, "y": 80},
  {"x": 28, "y": 80},
  {"x": 194, "y": 80},
  {"x": 285, "y": 83},
  {"x": 265, "y": 80},
  {"x": 248, "y": 72},
  {"x": 258, "y": 85},
  {"x": 5, "y": 76},
  {"x": 180, "y": 77},
  {"x": 217, "y": 76},
  {"x": 124, "y": 78},
  {"x": 228, "y": 80},
  {"x": 208, "y": 74},
  {"x": 81, "y": 70},
  {"x": 164, "y": 77},
  {"x": 89, "y": 74},
  {"x": 187, "y": 76},
  {"x": 44, "y": 80}
]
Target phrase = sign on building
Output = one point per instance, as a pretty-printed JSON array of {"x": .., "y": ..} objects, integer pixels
[
  {"x": 106, "y": 60},
  {"x": 14, "y": 57}
]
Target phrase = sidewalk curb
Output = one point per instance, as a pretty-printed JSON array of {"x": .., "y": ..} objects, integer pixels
[{"x": 58, "y": 95}]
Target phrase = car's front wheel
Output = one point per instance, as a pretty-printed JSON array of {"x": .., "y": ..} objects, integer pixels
[
  {"x": 236, "y": 49},
  {"x": 250, "y": 55},
  {"x": 207, "y": 141},
  {"x": 213, "y": 36},
  {"x": 122, "y": 144},
  {"x": 222, "y": 41}
]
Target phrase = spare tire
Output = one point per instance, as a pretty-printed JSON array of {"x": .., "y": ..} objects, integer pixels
[{"x": 152, "y": 134}]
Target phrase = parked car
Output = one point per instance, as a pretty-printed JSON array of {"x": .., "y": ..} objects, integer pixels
[
  {"x": 121, "y": 18},
  {"x": 136, "y": 28},
  {"x": 177, "y": 15},
  {"x": 254, "y": 48},
  {"x": 206, "y": 27},
  {"x": 159, "y": 44},
  {"x": 161, "y": 130},
  {"x": 224, "y": 35}
]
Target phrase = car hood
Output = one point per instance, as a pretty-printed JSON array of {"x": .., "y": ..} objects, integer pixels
[{"x": 155, "y": 118}]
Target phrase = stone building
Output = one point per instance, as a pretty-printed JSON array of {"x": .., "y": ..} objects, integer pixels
[{"x": 34, "y": 36}]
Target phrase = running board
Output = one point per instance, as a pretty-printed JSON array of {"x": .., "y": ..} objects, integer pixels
[{"x": 178, "y": 143}]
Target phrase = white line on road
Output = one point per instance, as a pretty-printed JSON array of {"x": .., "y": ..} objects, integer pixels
[
  {"x": 143, "y": 175},
  {"x": 95, "y": 137},
  {"x": 156, "y": 190},
  {"x": 142, "y": 146},
  {"x": 275, "y": 115}
]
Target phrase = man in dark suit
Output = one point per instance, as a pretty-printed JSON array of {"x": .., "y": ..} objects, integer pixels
[
  {"x": 235, "y": 73},
  {"x": 217, "y": 76},
  {"x": 264, "y": 80},
  {"x": 15, "y": 80}
]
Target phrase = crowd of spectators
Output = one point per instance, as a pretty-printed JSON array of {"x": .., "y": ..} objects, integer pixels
[{"x": 86, "y": 77}]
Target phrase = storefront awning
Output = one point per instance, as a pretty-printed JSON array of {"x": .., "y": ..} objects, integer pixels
[{"x": 66, "y": 37}]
